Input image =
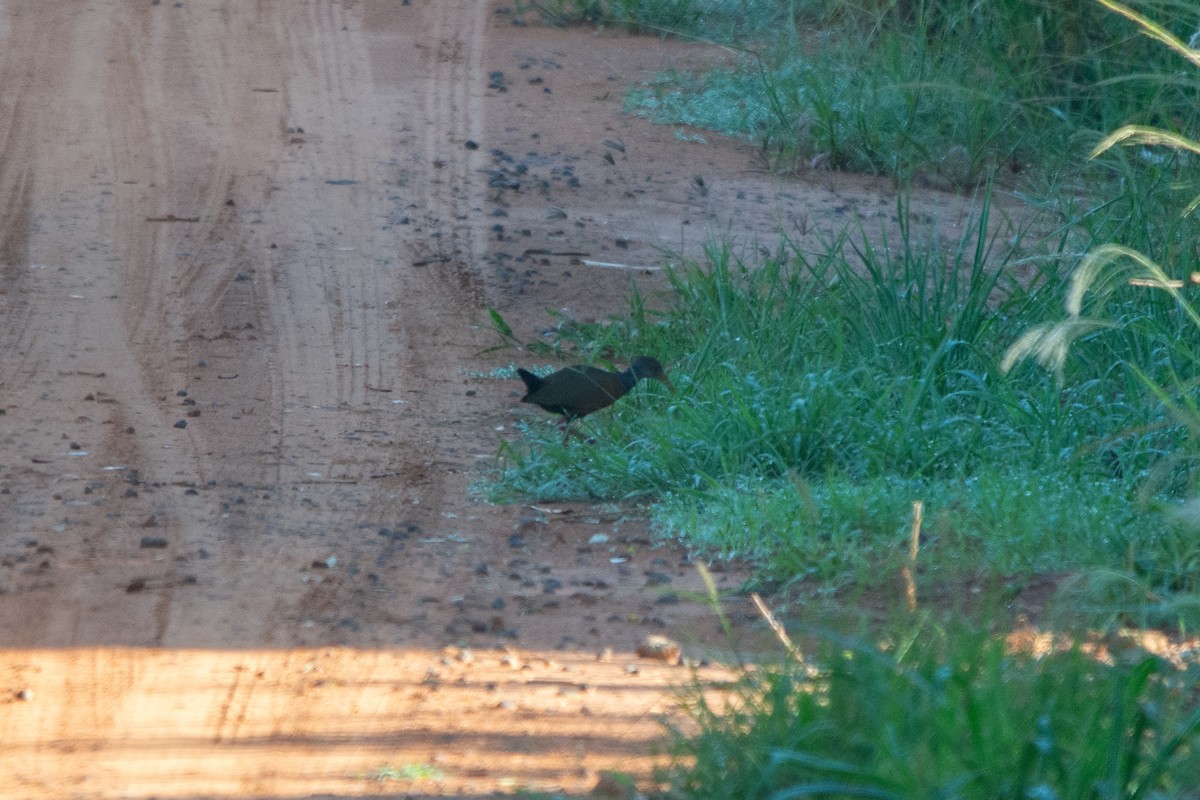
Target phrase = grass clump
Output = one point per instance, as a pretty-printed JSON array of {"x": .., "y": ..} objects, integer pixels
[
  {"x": 819, "y": 396},
  {"x": 957, "y": 714},
  {"x": 1160, "y": 340},
  {"x": 707, "y": 19},
  {"x": 947, "y": 90},
  {"x": 837, "y": 532}
]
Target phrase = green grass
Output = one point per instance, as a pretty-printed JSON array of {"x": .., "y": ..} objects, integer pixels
[
  {"x": 945, "y": 713},
  {"x": 826, "y": 111},
  {"x": 710, "y": 19},
  {"x": 950, "y": 91},
  {"x": 818, "y": 397},
  {"x": 822, "y": 394},
  {"x": 407, "y": 773},
  {"x": 838, "y": 531}
]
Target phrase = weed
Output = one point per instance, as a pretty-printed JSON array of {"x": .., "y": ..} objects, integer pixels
[
  {"x": 947, "y": 91},
  {"x": 944, "y": 713},
  {"x": 407, "y": 772}
]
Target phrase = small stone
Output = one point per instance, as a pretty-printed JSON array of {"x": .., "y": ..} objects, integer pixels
[
  {"x": 660, "y": 648},
  {"x": 657, "y": 579},
  {"x": 181, "y": 423}
]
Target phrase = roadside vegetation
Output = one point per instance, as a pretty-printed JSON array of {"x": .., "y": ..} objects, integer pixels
[
  {"x": 1036, "y": 395},
  {"x": 933, "y": 713}
]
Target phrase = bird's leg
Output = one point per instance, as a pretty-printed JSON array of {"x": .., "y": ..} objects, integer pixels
[{"x": 568, "y": 431}]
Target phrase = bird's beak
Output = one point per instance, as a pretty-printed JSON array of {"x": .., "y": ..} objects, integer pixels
[{"x": 667, "y": 381}]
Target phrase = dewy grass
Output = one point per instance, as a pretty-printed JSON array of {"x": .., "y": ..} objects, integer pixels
[
  {"x": 950, "y": 714},
  {"x": 818, "y": 397},
  {"x": 826, "y": 107},
  {"x": 820, "y": 394},
  {"x": 1018, "y": 522},
  {"x": 948, "y": 90}
]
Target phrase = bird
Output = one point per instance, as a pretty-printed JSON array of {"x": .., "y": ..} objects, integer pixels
[{"x": 579, "y": 390}]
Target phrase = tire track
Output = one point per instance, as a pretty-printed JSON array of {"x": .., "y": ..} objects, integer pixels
[
  {"x": 20, "y": 76},
  {"x": 258, "y": 331},
  {"x": 79, "y": 381},
  {"x": 453, "y": 64}
]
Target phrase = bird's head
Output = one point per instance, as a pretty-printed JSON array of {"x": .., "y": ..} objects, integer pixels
[{"x": 649, "y": 367}]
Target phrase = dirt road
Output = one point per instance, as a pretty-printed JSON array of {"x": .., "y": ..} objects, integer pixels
[{"x": 245, "y": 247}]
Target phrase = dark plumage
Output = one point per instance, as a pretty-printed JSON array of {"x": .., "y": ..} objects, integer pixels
[{"x": 579, "y": 390}]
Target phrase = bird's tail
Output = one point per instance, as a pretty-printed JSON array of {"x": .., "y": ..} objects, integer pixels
[{"x": 532, "y": 382}]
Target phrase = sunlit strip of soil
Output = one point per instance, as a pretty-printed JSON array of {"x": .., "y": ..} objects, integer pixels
[{"x": 117, "y": 722}]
